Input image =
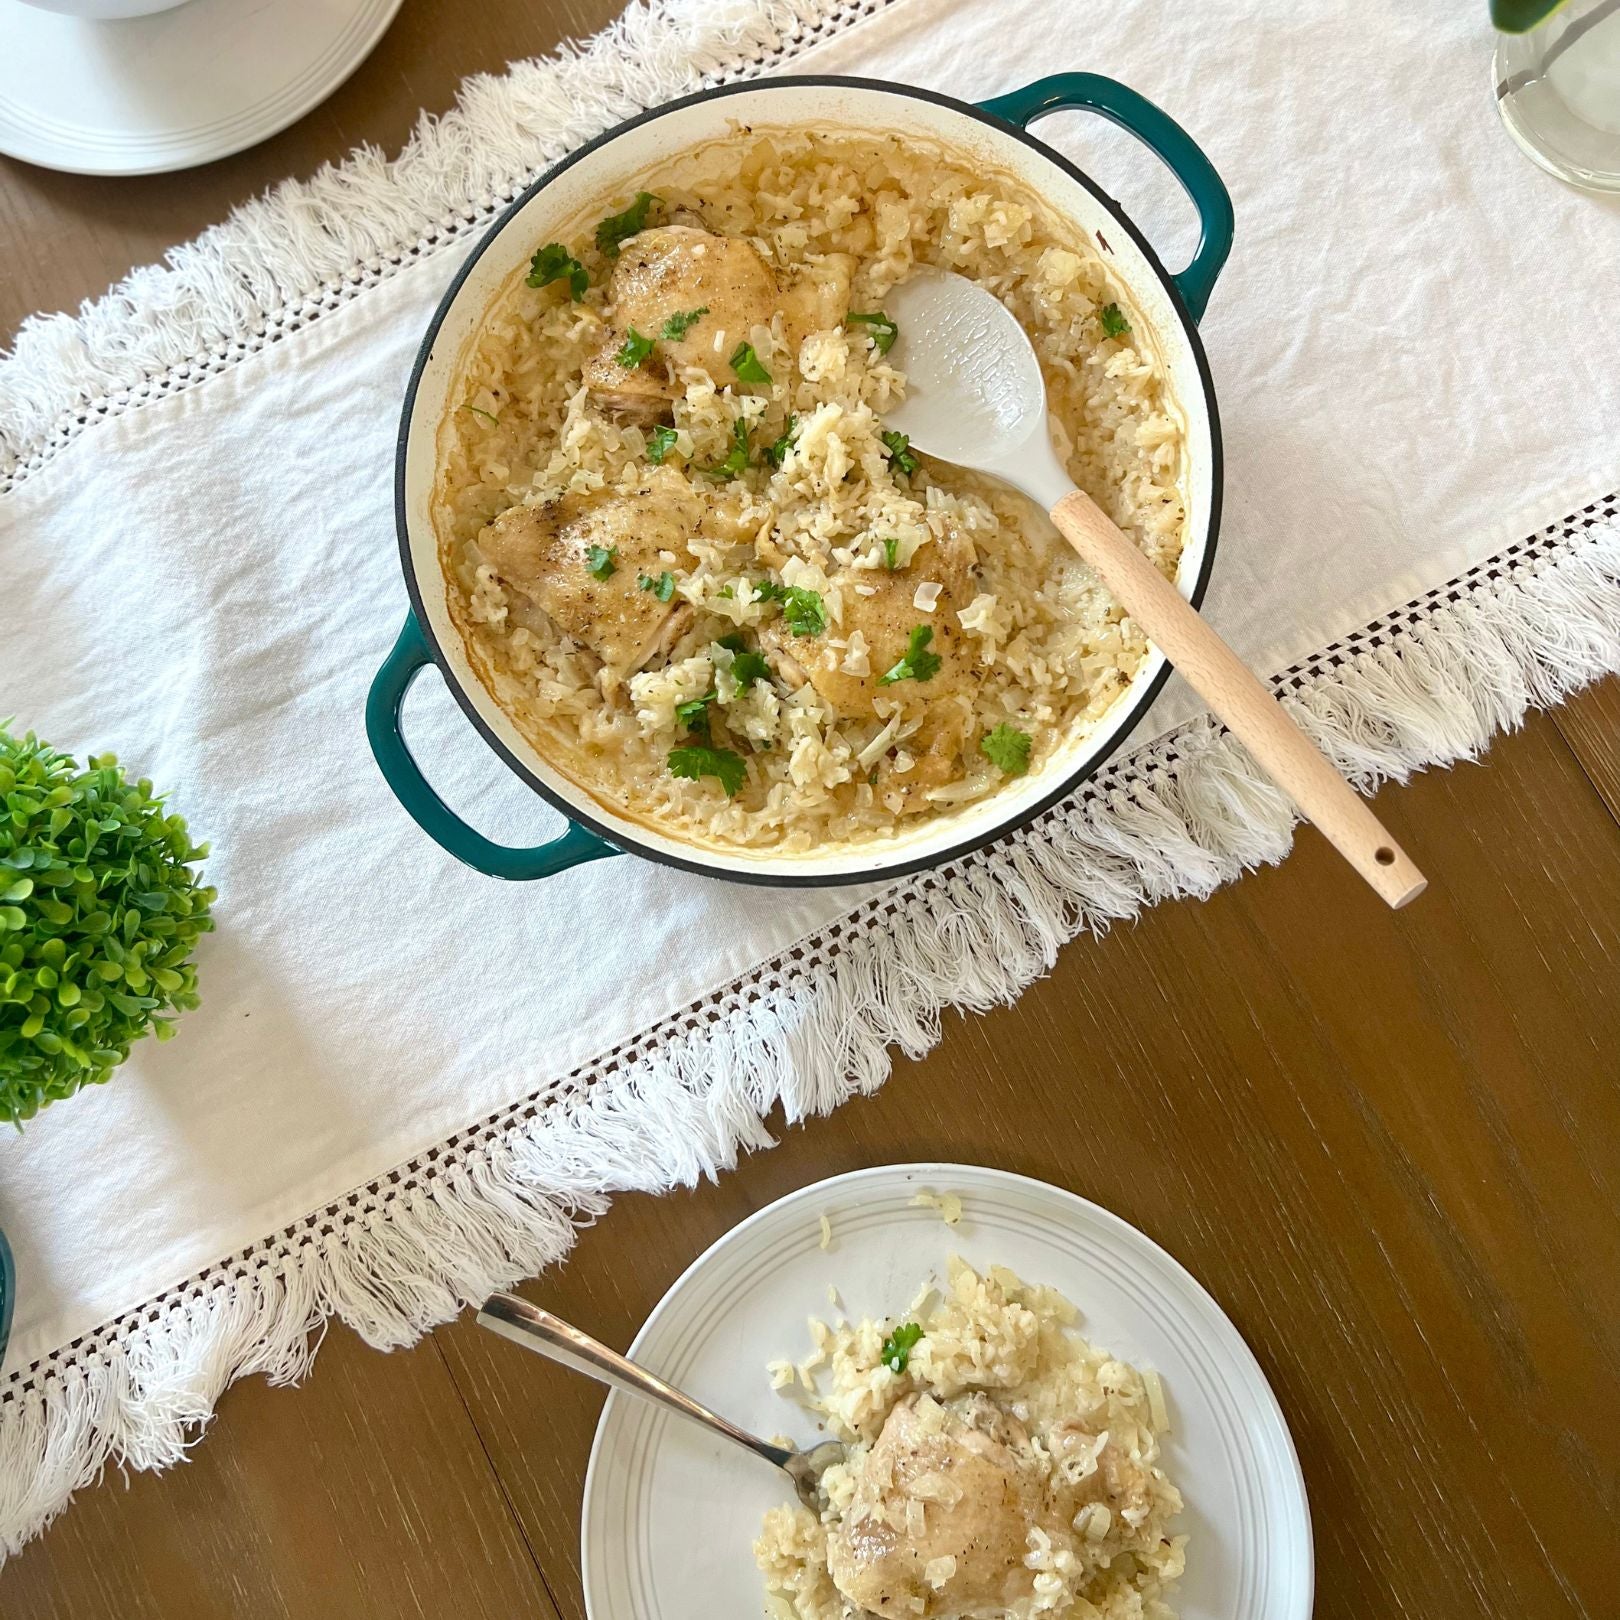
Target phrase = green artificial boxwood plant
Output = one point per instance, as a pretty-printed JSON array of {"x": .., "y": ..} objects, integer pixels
[{"x": 100, "y": 909}]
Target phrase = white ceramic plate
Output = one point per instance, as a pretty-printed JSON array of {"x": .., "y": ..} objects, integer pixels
[
  {"x": 670, "y": 1514},
  {"x": 148, "y": 94}
]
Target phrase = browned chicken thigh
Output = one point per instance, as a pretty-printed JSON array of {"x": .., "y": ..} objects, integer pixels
[
  {"x": 818, "y": 300},
  {"x": 969, "y": 1469},
  {"x": 545, "y": 553},
  {"x": 676, "y": 270},
  {"x": 885, "y": 619}
]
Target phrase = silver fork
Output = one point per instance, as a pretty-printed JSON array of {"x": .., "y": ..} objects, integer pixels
[{"x": 549, "y": 1335}]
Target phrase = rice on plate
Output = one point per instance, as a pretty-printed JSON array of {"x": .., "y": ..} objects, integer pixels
[
  {"x": 999, "y": 1468},
  {"x": 690, "y": 562}
]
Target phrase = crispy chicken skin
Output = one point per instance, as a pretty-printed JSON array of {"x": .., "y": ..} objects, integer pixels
[
  {"x": 542, "y": 552},
  {"x": 939, "y": 1453},
  {"x": 676, "y": 269},
  {"x": 819, "y": 299},
  {"x": 673, "y": 271}
]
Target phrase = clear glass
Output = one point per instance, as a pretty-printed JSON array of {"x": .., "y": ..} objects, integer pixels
[{"x": 1558, "y": 90}]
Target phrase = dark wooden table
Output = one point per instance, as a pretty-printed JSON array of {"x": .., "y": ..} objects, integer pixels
[{"x": 1389, "y": 1144}]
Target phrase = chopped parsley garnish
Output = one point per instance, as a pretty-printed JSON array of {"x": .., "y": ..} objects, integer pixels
[
  {"x": 727, "y": 592},
  {"x": 663, "y": 587},
  {"x": 613, "y": 230},
  {"x": 1113, "y": 321},
  {"x": 1007, "y": 748},
  {"x": 918, "y": 664},
  {"x": 897, "y": 1348},
  {"x": 679, "y": 324},
  {"x": 636, "y": 348},
  {"x": 748, "y": 667},
  {"x": 880, "y": 329},
  {"x": 891, "y": 551},
  {"x": 737, "y": 461},
  {"x": 488, "y": 416},
  {"x": 694, "y": 715},
  {"x": 776, "y": 453},
  {"x": 554, "y": 262},
  {"x": 746, "y": 364},
  {"x": 728, "y": 769},
  {"x": 803, "y": 610},
  {"x": 901, "y": 456},
  {"x": 660, "y": 442},
  {"x": 600, "y": 561}
]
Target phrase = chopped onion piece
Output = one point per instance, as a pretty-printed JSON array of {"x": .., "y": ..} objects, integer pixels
[
  {"x": 936, "y": 1487},
  {"x": 879, "y": 745},
  {"x": 1099, "y": 1520},
  {"x": 1157, "y": 1410}
]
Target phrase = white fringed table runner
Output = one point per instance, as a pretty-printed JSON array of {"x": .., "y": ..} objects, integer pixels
[{"x": 406, "y": 1081}]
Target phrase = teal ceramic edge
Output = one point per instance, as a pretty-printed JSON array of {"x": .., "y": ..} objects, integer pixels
[
  {"x": 1162, "y": 135},
  {"x": 8, "y": 1294},
  {"x": 411, "y": 655}
]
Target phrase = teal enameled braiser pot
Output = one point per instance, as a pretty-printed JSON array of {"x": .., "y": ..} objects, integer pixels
[{"x": 995, "y": 132}]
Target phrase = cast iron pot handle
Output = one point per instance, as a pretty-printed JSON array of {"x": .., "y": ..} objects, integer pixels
[
  {"x": 408, "y": 659},
  {"x": 1164, "y": 136}
]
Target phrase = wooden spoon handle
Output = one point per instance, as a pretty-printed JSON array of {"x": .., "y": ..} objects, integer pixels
[{"x": 1239, "y": 699}]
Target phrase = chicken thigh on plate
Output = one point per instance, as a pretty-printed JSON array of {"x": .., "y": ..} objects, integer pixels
[{"x": 938, "y": 1526}]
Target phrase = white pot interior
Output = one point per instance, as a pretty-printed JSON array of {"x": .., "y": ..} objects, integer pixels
[{"x": 617, "y": 167}]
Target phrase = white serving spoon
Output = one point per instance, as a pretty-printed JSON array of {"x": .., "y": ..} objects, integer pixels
[{"x": 975, "y": 396}]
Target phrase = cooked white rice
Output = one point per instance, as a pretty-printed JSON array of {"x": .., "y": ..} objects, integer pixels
[
  {"x": 997, "y": 1335},
  {"x": 1054, "y": 649}
]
